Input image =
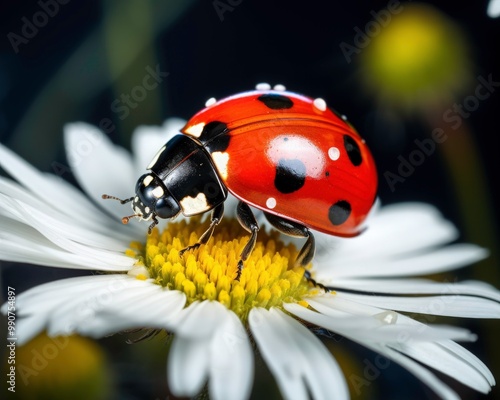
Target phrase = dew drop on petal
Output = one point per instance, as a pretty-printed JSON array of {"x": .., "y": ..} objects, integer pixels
[{"x": 387, "y": 317}]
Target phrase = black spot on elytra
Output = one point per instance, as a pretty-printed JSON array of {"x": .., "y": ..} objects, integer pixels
[
  {"x": 327, "y": 174},
  {"x": 212, "y": 130},
  {"x": 290, "y": 175},
  {"x": 353, "y": 151},
  {"x": 339, "y": 212},
  {"x": 215, "y": 136},
  {"x": 276, "y": 101}
]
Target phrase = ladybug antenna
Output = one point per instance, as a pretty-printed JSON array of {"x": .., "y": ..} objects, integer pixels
[
  {"x": 124, "y": 201},
  {"x": 125, "y": 220}
]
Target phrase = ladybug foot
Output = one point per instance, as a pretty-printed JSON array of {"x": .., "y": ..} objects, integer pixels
[
  {"x": 238, "y": 273},
  {"x": 307, "y": 275},
  {"x": 188, "y": 248}
]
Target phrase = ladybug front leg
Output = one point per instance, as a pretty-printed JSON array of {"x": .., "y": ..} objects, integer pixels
[
  {"x": 217, "y": 215},
  {"x": 247, "y": 220},
  {"x": 295, "y": 229}
]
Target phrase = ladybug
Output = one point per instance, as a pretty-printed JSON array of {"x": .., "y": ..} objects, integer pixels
[{"x": 286, "y": 154}]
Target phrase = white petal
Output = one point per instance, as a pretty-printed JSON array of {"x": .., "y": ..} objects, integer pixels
[
  {"x": 434, "y": 261},
  {"x": 375, "y": 330},
  {"x": 279, "y": 352},
  {"x": 493, "y": 8},
  {"x": 477, "y": 373},
  {"x": 200, "y": 319},
  {"x": 79, "y": 308},
  {"x": 231, "y": 366},
  {"x": 469, "y": 358},
  {"x": 147, "y": 140},
  {"x": 39, "y": 238},
  {"x": 84, "y": 310},
  {"x": 420, "y": 372},
  {"x": 15, "y": 191},
  {"x": 96, "y": 306},
  {"x": 65, "y": 287},
  {"x": 28, "y": 328},
  {"x": 423, "y": 374},
  {"x": 35, "y": 306},
  {"x": 83, "y": 217},
  {"x": 100, "y": 221},
  {"x": 188, "y": 365},
  {"x": 452, "y": 306},
  {"x": 435, "y": 356},
  {"x": 150, "y": 306},
  {"x": 418, "y": 286},
  {"x": 99, "y": 166},
  {"x": 402, "y": 240},
  {"x": 65, "y": 229},
  {"x": 336, "y": 305},
  {"x": 46, "y": 226},
  {"x": 393, "y": 231},
  {"x": 296, "y": 357},
  {"x": 51, "y": 190},
  {"x": 323, "y": 375},
  {"x": 25, "y": 251}
]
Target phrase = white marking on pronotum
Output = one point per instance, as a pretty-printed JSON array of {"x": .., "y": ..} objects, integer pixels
[
  {"x": 279, "y": 87},
  {"x": 319, "y": 104},
  {"x": 156, "y": 157},
  {"x": 210, "y": 101},
  {"x": 220, "y": 160},
  {"x": 194, "y": 205},
  {"x": 271, "y": 202},
  {"x": 195, "y": 130},
  {"x": 147, "y": 180},
  {"x": 333, "y": 153},
  {"x": 263, "y": 86},
  {"x": 147, "y": 209},
  {"x": 158, "y": 192}
]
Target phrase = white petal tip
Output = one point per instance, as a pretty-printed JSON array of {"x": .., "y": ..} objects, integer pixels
[{"x": 493, "y": 10}]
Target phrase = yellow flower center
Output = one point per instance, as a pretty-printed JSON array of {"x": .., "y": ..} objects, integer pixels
[{"x": 208, "y": 273}]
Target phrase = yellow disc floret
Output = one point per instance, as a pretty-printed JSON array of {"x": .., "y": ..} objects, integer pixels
[{"x": 208, "y": 273}]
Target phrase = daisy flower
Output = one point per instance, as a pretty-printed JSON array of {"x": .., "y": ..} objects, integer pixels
[{"x": 215, "y": 321}]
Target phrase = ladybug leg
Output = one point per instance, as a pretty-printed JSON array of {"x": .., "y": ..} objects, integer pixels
[
  {"x": 153, "y": 224},
  {"x": 247, "y": 220},
  {"x": 217, "y": 215},
  {"x": 295, "y": 229}
]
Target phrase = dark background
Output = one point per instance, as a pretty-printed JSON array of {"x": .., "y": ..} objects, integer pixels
[{"x": 90, "y": 53}]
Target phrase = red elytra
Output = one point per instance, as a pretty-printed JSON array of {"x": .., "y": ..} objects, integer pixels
[{"x": 291, "y": 156}]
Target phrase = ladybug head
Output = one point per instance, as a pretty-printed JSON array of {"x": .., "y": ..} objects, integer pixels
[{"x": 152, "y": 199}]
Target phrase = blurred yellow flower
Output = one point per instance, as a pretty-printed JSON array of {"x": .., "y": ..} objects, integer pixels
[
  {"x": 63, "y": 367},
  {"x": 418, "y": 61}
]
